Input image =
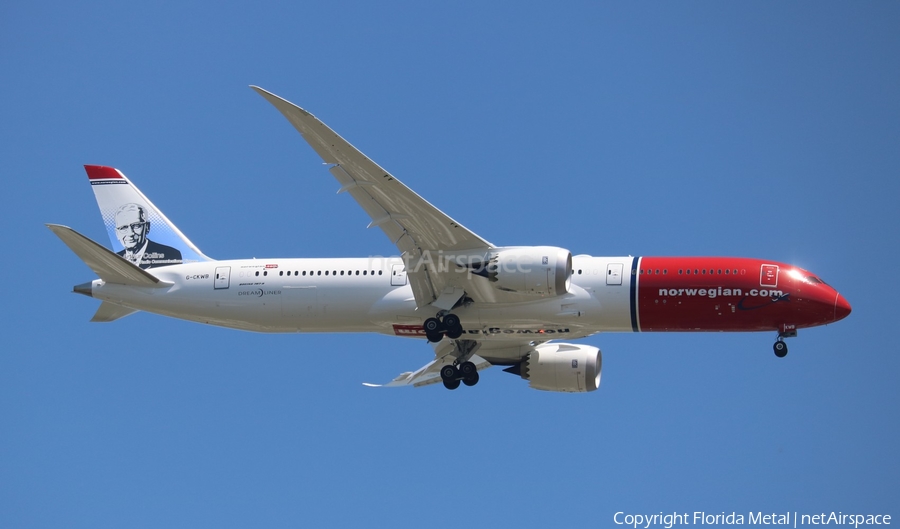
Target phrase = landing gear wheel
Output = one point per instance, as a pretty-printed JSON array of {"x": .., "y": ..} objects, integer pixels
[
  {"x": 449, "y": 373},
  {"x": 780, "y": 348},
  {"x": 432, "y": 325},
  {"x": 434, "y": 337},
  {"x": 467, "y": 368},
  {"x": 450, "y": 376},
  {"x": 469, "y": 373},
  {"x": 451, "y": 321},
  {"x": 453, "y": 326}
]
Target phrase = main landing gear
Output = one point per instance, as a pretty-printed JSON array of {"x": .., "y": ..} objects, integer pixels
[
  {"x": 435, "y": 329},
  {"x": 452, "y": 375},
  {"x": 462, "y": 370}
]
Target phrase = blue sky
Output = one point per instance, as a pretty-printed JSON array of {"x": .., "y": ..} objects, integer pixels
[{"x": 674, "y": 128}]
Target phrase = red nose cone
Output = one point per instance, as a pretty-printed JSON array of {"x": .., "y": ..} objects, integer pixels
[{"x": 841, "y": 308}]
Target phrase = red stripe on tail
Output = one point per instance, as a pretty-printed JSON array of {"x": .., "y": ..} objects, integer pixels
[{"x": 100, "y": 172}]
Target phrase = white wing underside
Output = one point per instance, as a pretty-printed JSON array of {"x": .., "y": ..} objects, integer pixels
[{"x": 416, "y": 227}]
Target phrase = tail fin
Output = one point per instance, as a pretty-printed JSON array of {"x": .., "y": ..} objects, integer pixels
[{"x": 138, "y": 230}]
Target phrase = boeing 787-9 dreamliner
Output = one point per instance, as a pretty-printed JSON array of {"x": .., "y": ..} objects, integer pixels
[{"x": 476, "y": 303}]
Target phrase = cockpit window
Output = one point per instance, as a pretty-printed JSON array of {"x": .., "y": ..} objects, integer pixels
[{"x": 806, "y": 277}]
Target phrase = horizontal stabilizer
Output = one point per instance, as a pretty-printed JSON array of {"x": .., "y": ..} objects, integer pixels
[
  {"x": 111, "y": 312},
  {"x": 107, "y": 265}
]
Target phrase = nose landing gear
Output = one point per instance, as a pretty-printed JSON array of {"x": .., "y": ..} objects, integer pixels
[{"x": 781, "y": 348}]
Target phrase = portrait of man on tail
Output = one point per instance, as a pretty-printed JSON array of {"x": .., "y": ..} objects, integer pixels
[{"x": 132, "y": 228}]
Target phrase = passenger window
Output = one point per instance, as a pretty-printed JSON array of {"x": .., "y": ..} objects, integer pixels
[
  {"x": 257, "y": 273},
  {"x": 379, "y": 272}
]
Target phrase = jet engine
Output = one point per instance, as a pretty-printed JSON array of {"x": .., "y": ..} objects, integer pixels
[
  {"x": 532, "y": 270},
  {"x": 562, "y": 367}
]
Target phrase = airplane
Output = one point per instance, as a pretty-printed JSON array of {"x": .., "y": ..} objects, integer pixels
[{"x": 476, "y": 303}]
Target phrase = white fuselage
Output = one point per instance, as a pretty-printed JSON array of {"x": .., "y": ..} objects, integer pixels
[{"x": 367, "y": 295}]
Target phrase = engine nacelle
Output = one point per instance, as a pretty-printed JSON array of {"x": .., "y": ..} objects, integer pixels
[
  {"x": 563, "y": 367},
  {"x": 532, "y": 270}
]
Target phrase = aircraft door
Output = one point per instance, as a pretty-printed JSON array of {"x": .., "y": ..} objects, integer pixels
[
  {"x": 222, "y": 279},
  {"x": 768, "y": 275},
  {"x": 614, "y": 273},
  {"x": 398, "y": 275}
]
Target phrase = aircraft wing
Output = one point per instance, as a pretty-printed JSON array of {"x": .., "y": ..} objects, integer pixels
[{"x": 416, "y": 227}]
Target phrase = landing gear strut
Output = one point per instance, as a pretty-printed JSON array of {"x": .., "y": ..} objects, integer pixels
[
  {"x": 435, "y": 329},
  {"x": 452, "y": 375}
]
